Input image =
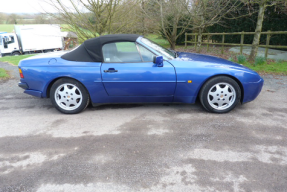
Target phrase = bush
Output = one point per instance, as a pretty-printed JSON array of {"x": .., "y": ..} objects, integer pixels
[
  {"x": 259, "y": 60},
  {"x": 274, "y": 20},
  {"x": 241, "y": 59}
]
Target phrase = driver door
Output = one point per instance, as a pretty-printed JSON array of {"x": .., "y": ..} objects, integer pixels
[{"x": 128, "y": 70}]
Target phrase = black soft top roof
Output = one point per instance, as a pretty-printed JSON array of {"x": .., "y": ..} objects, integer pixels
[{"x": 91, "y": 49}]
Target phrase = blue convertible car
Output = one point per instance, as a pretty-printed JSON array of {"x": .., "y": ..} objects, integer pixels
[{"x": 132, "y": 69}]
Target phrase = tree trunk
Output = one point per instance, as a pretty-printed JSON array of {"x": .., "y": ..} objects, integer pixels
[
  {"x": 172, "y": 45},
  {"x": 200, "y": 31},
  {"x": 199, "y": 39},
  {"x": 174, "y": 34},
  {"x": 143, "y": 19},
  {"x": 258, "y": 30}
]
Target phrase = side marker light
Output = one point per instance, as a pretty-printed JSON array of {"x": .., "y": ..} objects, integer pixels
[{"x": 21, "y": 74}]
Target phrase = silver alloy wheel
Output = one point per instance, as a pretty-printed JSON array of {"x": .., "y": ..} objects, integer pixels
[
  {"x": 221, "y": 96},
  {"x": 68, "y": 96}
]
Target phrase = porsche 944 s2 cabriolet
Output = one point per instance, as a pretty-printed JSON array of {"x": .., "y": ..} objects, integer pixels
[{"x": 132, "y": 69}]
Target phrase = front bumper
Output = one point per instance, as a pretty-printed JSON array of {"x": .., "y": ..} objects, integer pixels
[{"x": 252, "y": 90}]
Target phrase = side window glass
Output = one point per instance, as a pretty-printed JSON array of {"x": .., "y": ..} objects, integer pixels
[
  {"x": 121, "y": 52},
  {"x": 146, "y": 54},
  {"x": 12, "y": 39},
  {"x": 9, "y": 42},
  {"x": 110, "y": 53},
  {"x": 5, "y": 42}
]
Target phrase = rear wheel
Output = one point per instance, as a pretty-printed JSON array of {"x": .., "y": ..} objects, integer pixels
[
  {"x": 48, "y": 51},
  {"x": 220, "y": 94},
  {"x": 16, "y": 53},
  {"x": 69, "y": 96}
]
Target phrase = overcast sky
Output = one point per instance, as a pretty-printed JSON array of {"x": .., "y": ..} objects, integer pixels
[{"x": 23, "y": 6}]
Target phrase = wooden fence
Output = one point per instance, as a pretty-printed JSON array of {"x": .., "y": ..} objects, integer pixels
[{"x": 267, "y": 46}]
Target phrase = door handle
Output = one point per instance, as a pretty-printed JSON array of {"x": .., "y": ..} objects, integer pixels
[{"x": 110, "y": 70}]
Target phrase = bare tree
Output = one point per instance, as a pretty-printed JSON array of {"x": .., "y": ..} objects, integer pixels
[
  {"x": 206, "y": 13},
  {"x": 91, "y": 18},
  {"x": 170, "y": 15},
  {"x": 3, "y": 18},
  {"x": 13, "y": 18},
  {"x": 147, "y": 17},
  {"x": 41, "y": 19},
  {"x": 127, "y": 18},
  {"x": 176, "y": 16},
  {"x": 262, "y": 7}
]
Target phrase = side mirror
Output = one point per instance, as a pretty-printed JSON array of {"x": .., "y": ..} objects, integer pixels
[{"x": 158, "y": 60}]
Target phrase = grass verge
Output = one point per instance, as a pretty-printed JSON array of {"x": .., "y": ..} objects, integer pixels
[
  {"x": 3, "y": 73},
  {"x": 14, "y": 59},
  {"x": 261, "y": 66},
  {"x": 276, "y": 68},
  {"x": 158, "y": 39}
]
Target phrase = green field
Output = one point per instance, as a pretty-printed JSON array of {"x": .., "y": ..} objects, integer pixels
[
  {"x": 158, "y": 39},
  {"x": 10, "y": 27},
  {"x": 7, "y": 28},
  {"x": 3, "y": 73},
  {"x": 14, "y": 59}
]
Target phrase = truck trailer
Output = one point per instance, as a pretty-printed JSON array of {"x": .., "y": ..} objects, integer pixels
[{"x": 31, "y": 39}]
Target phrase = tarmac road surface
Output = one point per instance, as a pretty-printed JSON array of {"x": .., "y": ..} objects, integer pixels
[{"x": 142, "y": 147}]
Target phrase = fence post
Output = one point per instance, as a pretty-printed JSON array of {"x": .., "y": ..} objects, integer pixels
[
  {"x": 195, "y": 42},
  {"x": 185, "y": 40},
  {"x": 223, "y": 37},
  {"x": 267, "y": 44},
  {"x": 241, "y": 42},
  {"x": 208, "y": 36}
]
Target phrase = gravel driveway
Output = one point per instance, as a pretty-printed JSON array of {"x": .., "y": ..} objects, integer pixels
[{"x": 143, "y": 147}]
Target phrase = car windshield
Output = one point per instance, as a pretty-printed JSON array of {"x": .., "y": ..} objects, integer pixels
[{"x": 163, "y": 51}]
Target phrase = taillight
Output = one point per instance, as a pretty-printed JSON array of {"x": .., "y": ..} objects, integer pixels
[{"x": 21, "y": 74}]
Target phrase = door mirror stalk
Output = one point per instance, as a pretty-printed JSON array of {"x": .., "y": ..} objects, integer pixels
[{"x": 158, "y": 60}]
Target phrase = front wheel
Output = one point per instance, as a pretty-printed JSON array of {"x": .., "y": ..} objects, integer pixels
[
  {"x": 220, "y": 94},
  {"x": 69, "y": 96}
]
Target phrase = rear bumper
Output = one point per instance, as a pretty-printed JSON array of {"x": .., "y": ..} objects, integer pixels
[
  {"x": 33, "y": 93},
  {"x": 23, "y": 85}
]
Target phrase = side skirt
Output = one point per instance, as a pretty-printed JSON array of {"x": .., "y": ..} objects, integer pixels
[{"x": 99, "y": 104}]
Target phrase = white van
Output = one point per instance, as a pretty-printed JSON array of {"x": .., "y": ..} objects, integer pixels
[{"x": 31, "y": 39}]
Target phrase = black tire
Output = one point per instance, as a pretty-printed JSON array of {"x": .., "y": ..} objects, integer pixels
[
  {"x": 210, "y": 88},
  {"x": 16, "y": 53},
  {"x": 75, "y": 100},
  {"x": 48, "y": 51}
]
